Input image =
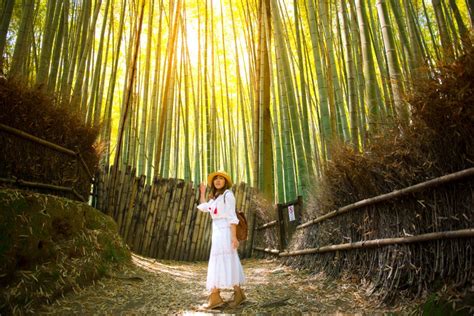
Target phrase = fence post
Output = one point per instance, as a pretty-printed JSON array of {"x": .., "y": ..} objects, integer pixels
[{"x": 281, "y": 226}]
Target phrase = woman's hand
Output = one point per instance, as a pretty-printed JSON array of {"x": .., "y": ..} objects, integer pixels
[
  {"x": 235, "y": 243},
  {"x": 202, "y": 188},
  {"x": 202, "y": 191}
]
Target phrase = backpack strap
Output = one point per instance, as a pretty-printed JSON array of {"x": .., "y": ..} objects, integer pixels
[{"x": 225, "y": 192}]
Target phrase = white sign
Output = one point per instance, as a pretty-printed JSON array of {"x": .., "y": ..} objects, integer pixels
[{"x": 291, "y": 212}]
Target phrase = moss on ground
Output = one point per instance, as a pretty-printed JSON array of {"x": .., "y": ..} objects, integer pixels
[{"x": 50, "y": 245}]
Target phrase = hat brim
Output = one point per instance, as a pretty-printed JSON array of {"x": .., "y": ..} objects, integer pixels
[{"x": 211, "y": 177}]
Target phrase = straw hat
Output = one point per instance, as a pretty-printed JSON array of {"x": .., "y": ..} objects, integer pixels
[{"x": 223, "y": 174}]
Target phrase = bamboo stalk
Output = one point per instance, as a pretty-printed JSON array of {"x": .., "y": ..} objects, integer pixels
[
  {"x": 144, "y": 216},
  {"x": 267, "y": 250},
  {"x": 44, "y": 186},
  {"x": 195, "y": 235},
  {"x": 179, "y": 249},
  {"x": 150, "y": 224},
  {"x": 269, "y": 224},
  {"x": 129, "y": 221},
  {"x": 35, "y": 139},
  {"x": 193, "y": 224},
  {"x": 175, "y": 225},
  {"x": 162, "y": 211},
  {"x": 462, "y": 233},
  {"x": 166, "y": 218},
  {"x": 122, "y": 206},
  {"x": 172, "y": 214},
  {"x": 84, "y": 165},
  {"x": 139, "y": 231},
  {"x": 186, "y": 236},
  {"x": 394, "y": 194},
  {"x": 159, "y": 182}
]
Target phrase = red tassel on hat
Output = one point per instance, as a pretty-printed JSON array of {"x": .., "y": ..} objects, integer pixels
[{"x": 215, "y": 211}]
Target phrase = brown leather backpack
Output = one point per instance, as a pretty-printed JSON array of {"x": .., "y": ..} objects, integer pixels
[{"x": 242, "y": 227}]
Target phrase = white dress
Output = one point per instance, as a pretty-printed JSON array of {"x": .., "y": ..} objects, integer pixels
[{"x": 224, "y": 269}]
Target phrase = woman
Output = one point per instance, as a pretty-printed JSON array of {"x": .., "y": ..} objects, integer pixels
[{"x": 224, "y": 269}]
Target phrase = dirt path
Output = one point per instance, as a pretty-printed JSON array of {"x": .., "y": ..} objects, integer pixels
[{"x": 165, "y": 287}]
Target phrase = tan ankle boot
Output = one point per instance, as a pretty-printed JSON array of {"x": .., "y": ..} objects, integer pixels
[
  {"x": 215, "y": 300},
  {"x": 238, "y": 298}
]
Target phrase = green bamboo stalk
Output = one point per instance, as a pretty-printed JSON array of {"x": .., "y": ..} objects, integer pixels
[
  {"x": 393, "y": 66},
  {"x": 23, "y": 41},
  {"x": 368, "y": 67}
]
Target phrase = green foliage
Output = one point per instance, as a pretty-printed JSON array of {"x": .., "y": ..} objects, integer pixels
[{"x": 436, "y": 305}]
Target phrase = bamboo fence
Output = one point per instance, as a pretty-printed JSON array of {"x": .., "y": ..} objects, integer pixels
[
  {"x": 62, "y": 182},
  {"x": 440, "y": 181},
  {"x": 161, "y": 220},
  {"x": 408, "y": 239}
]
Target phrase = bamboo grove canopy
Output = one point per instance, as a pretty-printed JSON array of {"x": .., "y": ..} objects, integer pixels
[{"x": 260, "y": 88}]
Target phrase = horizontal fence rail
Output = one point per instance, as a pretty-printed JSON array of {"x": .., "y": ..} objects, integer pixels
[{"x": 462, "y": 233}]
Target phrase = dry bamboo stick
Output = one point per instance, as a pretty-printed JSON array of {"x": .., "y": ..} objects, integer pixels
[
  {"x": 135, "y": 214},
  {"x": 200, "y": 218},
  {"x": 44, "y": 186},
  {"x": 184, "y": 209},
  {"x": 206, "y": 246},
  {"x": 176, "y": 220},
  {"x": 250, "y": 222},
  {"x": 122, "y": 203},
  {"x": 268, "y": 250},
  {"x": 134, "y": 187},
  {"x": 462, "y": 233},
  {"x": 139, "y": 231},
  {"x": 167, "y": 216},
  {"x": 156, "y": 230},
  {"x": 35, "y": 139},
  {"x": 106, "y": 193},
  {"x": 151, "y": 211},
  {"x": 269, "y": 224},
  {"x": 186, "y": 236},
  {"x": 171, "y": 218},
  {"x": 84, "y": 165},
  {"x": 202, "y": 233},
  {"x": 192, "y": 227},
  {"x": 394, "y": 194},
  {"x": 129, "y": 220},
  {"x": 100, "y": 190},
  {"x": 118, "y": 184},
  {"x": 194, "y": 233},
  {"x": 162, "y": 211},
  {"x": 144, "y": 210}
]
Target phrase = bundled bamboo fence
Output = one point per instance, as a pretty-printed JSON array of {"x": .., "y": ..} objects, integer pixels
[
  {"x": 160, "y": 220},
  {"x": 37, "y": 164},
  {"x": 404, "y": 239}
]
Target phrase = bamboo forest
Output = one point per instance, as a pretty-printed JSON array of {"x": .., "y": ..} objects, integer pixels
[
  {"x": 258, "y": 88},
  {"x": 344, "y": 129}
]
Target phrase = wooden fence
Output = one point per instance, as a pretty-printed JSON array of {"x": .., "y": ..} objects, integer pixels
[
  {"x": 37, "y": 164},
  {"x": 279, "y": 226},
  {"x": 161, "y": 220}
]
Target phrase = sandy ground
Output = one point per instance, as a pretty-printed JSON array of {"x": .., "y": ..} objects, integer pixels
[{"x": 151, "y": 287}]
